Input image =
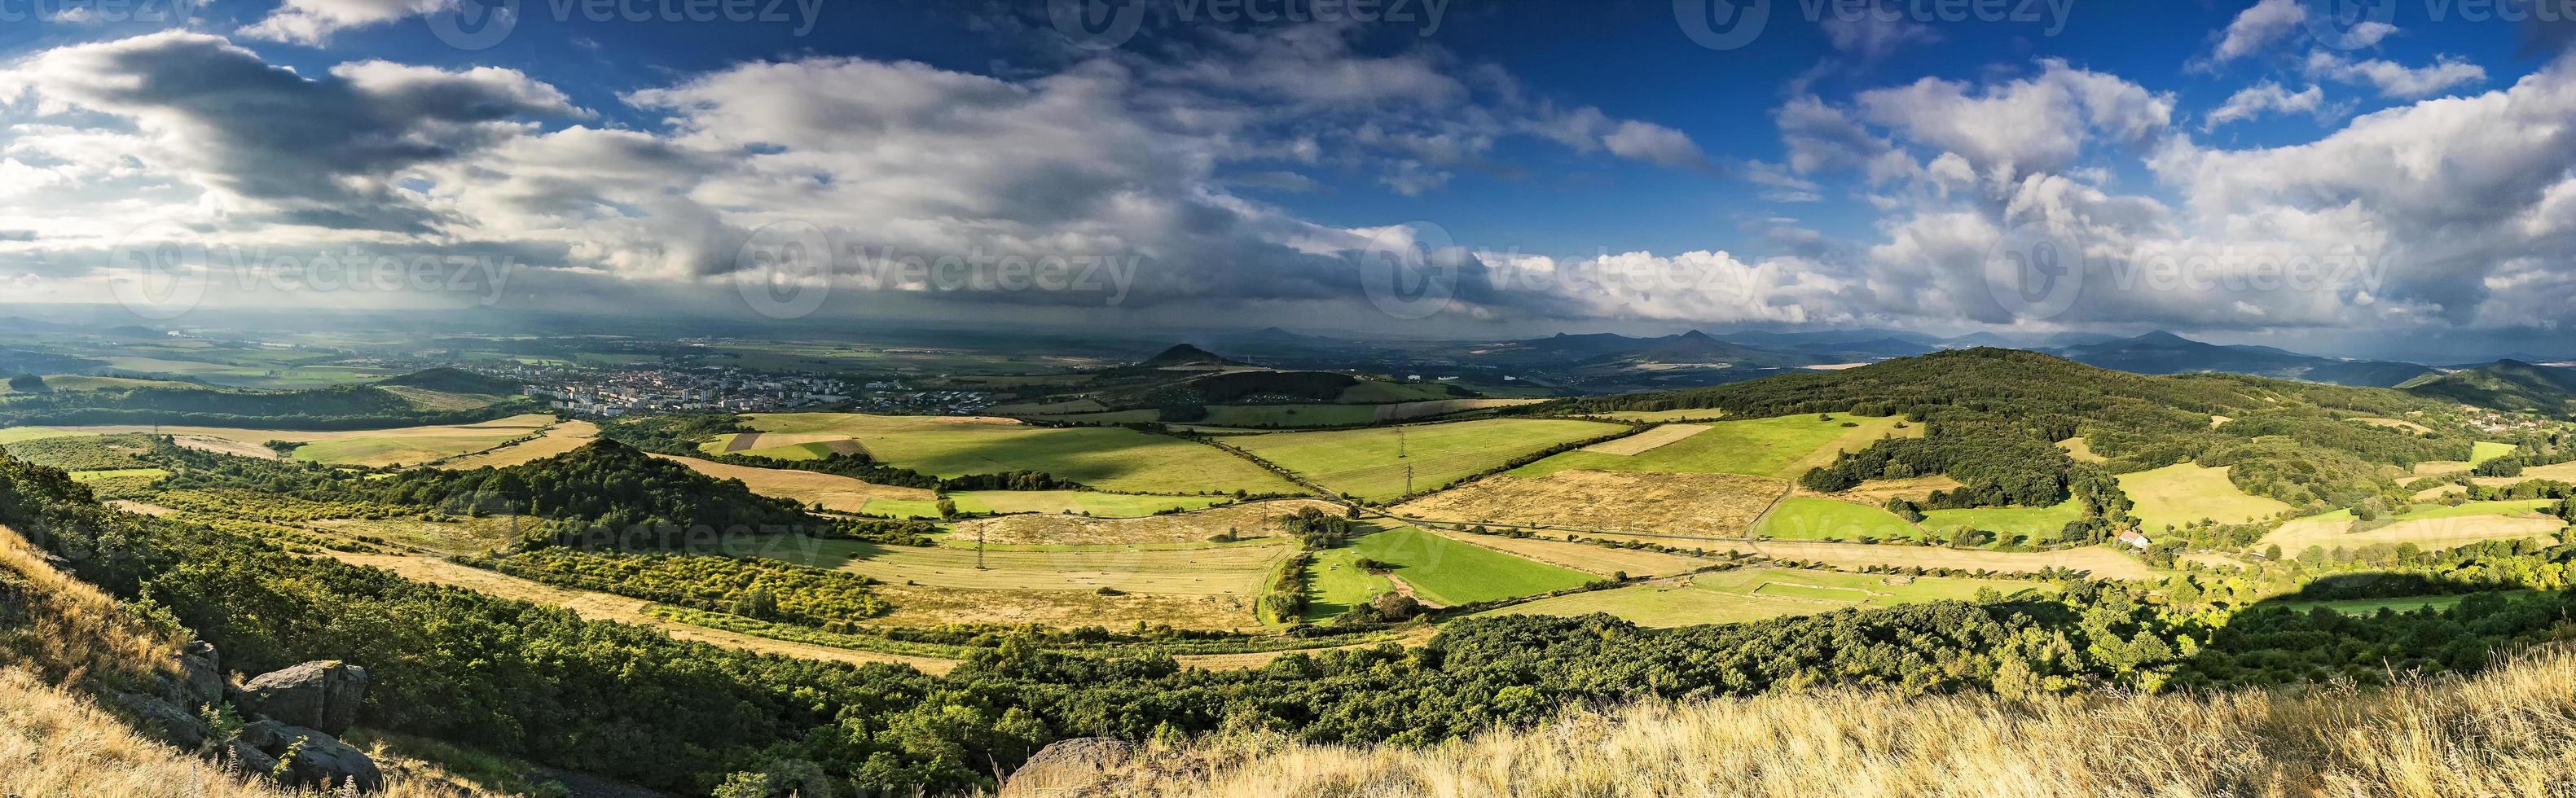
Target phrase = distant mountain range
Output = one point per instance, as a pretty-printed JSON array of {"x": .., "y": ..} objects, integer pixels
[
  {"x": 2166, "y": 353},
  {"x": 1602, "y": 362}
]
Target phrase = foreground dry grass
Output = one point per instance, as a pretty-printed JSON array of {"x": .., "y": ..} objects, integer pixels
[
  {"x": 71, "y": 629},
  {"x": 55, "y": 744},
  {"x": 2511, "y": 732}
]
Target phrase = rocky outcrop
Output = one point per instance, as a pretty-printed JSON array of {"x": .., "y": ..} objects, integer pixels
[
  {"x": 312, "y": 758},
  {"x": 321, "y": 695},
  {"x": 1069, "y": 767},
  {"x": 174, "y": 723},
  {"x": 295, "y": 715},
  {"x": 199, "y": 680}
]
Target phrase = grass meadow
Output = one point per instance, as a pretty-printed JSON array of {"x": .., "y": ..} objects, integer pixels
[
  {"x": 1110, "y": 458},
  {"x": 1365, "y": 462}
]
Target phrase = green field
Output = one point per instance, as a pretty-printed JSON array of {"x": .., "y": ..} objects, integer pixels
[
  {"x": 17, "y": 434},
  {"x": 1451, "y": 573},
  {"x": 2488, "y": 450},
  {"x": 2466, "y": 509},
  {"x": 1105, "y": 505},
  {"x": 1752, "y": 594},
  {"x": 1763, "y": 447},
  {"x": 1102, "y": 457},
  {"x": 403, "y": 449},
  {"x": 1809, "y": 518},
  {"x": 2040, "y": 524},
  {"x": 2179, "y": 494},
  {"x": 1250, "y": 416},
  {"x": 1365, "y": 462},
  {"x": 1334, "y": 585}
]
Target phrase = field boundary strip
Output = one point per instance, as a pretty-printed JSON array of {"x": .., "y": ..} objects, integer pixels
[{"x": 1647, "y": 441}]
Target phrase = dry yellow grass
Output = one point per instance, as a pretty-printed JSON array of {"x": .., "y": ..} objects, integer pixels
[
  {"x": 1713, "y": 505},
  {"x": 2428, "y": 533},
  {"x": 1646, "y": 441},
  {"x": 56, "y": 744},
  {"x": 1249, "y": 520},
  {"x": 72, "y": 629},
  {"x": 920, "y": 605},
  {"x": 833, "y": 491},
  {"x": 2510, "y": 732}
]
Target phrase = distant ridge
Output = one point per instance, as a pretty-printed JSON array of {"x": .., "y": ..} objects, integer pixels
[
  {"x": 1186, "y": 355},
  {"x": 2504, "y": 385}
]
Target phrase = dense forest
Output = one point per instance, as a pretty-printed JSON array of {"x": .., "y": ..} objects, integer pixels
[
  {"x": 344, "y": 407},
  {"x": 630, "y": 703},
  {"x": 605, "y": 494}
]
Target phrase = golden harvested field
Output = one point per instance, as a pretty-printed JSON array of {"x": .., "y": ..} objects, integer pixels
[
  {"x": 1585, "y": 557},
  {"x": 833, "y": 491},
  {"x": 1644, "y": 441},
  {"x": 1249, "y": 520},
  {"x": 559, "y": 439},
  {"x": 605, "y": 607},
  {"x": 916, "y": 605},
  {"x": 2439, "y": 468},
  {"x": 471, "y": 536},
  {"x": 1707, "y": 504},
  {"x": 2333, "y": 530},
  {"x": 2179, "y": 494},
  {"x": 2102, "y": 562},
  {"x": 1217, "y": 570}
]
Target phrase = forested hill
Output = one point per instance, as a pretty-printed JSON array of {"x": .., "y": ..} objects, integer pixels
[
  {"x": 337, "y": 408},
  {"x": 605, "y": 483},
  {"x": 1994, "y": 416}
]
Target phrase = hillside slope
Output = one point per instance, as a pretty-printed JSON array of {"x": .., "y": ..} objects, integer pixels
[
  {"x": 2503, "y": 733},
  {"x": 2503, "y": 385}
]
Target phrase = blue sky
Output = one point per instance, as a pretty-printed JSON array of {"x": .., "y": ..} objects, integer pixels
[{"x": 1850, "y": 164}]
